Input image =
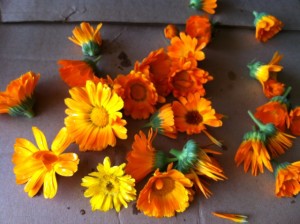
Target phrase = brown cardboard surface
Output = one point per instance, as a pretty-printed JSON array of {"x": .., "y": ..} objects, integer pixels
[{"x": 38, "y": 46}]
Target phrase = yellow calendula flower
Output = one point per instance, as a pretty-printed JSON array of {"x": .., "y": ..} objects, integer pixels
[
  {"x": 94, "y": 119},
  {"x": 287, "y": 179},
  {"x": 205, "y": 5},
  {"x": 232, "y": 217},
  {"x": 266, "y": 25},
  {"x": 109, "y": 187},
  {"x": 17, "y": 99},
  {"x": 37, "y": 166},
  {"x": 88, "y": 38}
]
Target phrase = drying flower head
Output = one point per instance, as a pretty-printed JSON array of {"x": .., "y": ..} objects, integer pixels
[
  {"x": 37, "y": 166},
  {"x": 266, "y": 25},
  {"x": 170, "y": 31},
  {"x": 294, "y": 118},
  {"x": 109, "y": 187},
  {"x": 17, "y": 99},
  {"x": 138, "y": 93},
  {"x": 75, "y": 73},
  {"x": 275, "y": 111},
  {"x": 287, "y": 179},
  {"x": 94, "y": 119},
  {"x": 163, "y": 121},
  {"x": 266, "y": 74},
  {"x": 144, "y": 158},
  {"x": 232, "y": 217},
  {"x": 159, "y": 197},
  {"x": 205, "y": 5},
  {"x": 88, "y": 38},
  {"x": 199, "y": 27}
]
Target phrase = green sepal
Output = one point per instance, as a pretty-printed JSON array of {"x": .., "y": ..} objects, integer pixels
[
  {"x": 258, "y": 16},
  {"x": 91, "y": 49},
  {"x": 253, "y": 67},
  {"x": 160, "y": 161},
  {"x": 155, "y": 123},
  {"x": 195, "y": 4},
  {"x": 255, "y": 135},
  {"x": 279, "y": 167},
  {"x": 269, "y": 129},
  {"x": 24, "y": 109},
  {"x": 282, "y": 99}
]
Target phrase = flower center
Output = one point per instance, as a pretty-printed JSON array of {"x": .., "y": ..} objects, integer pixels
[
  {"x": 99, "y": 117},
  {"x": 109, "y": 186},
  {"x": 193, "y": 117},
  {"x": 163, "y": 186},
  {"x": 138, "y": 92},
  {"x": 46, "y": 157}
]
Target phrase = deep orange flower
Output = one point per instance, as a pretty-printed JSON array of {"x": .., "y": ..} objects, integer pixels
[
  {"x": 17, "y": 99},
  {"x": 185, "y": 46},
  {"x": 206, "y": 5},
  {"x": 266, "y": 26},
  {"x": 138, "y": 93},
  {"x": 157, "y": 66},
  {"x": 160, "y": 196},
  {"x": 287, "y": 179},
  {"x": 170, "y": 31},
  {"x": 89, "y": 39},
  {"x": 199, "y": 27},
  {"x": 232, "y": 217},
  {"x": 295, "y": 121},
  {"x": 75, "y": 73},
  {"x": 193, "y": 113}
]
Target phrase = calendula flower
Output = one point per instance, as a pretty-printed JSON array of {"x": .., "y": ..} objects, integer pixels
[
  {"x": 294, "y": 118},
  {"x": 75, "y": 73},
  {"x": 193, "y": 113},
  {"x": 199, "y": 27},
  {"x": 266, "y": 74},
  {"x": 170, "y": 31},
  {"x": 253, "y": 152},
  {"x": 266, "y": 26},
  {"x": 277, "y": 142},
  {"x": 287, "y": 179},
  {"x": 160, "y": 196},
  {"x": 17, "y": 99},
  {"x": 138, "y": 93},
  {"x": 157, "y": 67},
  {"x": 275, "y": 111},
  {"x": 185, "y": 46},
  {"x": 94, "y": 119},
  {"x": 88, "y": 38},
  {"x": 232, "y": 217},
  {"x": 109, "y": 187},
  {"x": 144, "y": 158},
  {"x": 205, "y": 5},
  {"x": 196, "y": 163},
  {"x": 163, "y": 121},
  {"x": 37, "y": 166}
]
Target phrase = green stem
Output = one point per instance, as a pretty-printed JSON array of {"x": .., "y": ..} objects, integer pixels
[
  {"x": 29, "y": 113},
  {"x": 256, "y": 121},
  {"x": 147, "y": 125},
  {"x": 170, "y": 160},
  {"x": 286, "y": 93},
  {"x": 255, "y": 13},
  {"x": 175, "y": 152}
]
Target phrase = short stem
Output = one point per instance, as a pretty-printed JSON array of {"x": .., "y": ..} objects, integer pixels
[
  {"x": 256, "y": 121},
  {"x": 97, "y": 59},
  {"x": 170, "y": 160},
  {"x": 175, "y": 152},
  {"x": 29, "y": 113},
  {"x": 286, "y": 93},
  {"x": 255, "y": 13},
  {"x": 147, "y": 125}
]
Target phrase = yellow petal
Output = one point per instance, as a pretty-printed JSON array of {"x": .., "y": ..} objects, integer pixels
[
  {"x": 61, "y": 141},
  {"x": 50, "y": 185},
  {"x": 40, "y": 138}
]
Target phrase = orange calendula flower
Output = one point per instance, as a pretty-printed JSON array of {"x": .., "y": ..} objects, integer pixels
[
  {"x": 199, "y": 27},
  {"x": 266, "y": 74},
  {"x": 157, "y": 66},
  {"x": 232, "y": 217},
  {"x": 17, "y": 99},
  {"x": 88, "y": 38},
  {"x": 37, "y": 166},
  {"x": 163, "y": 121},
  {"x": 159, "y": 198},
  {"x": 193, "y": 113},
  {"x": 94, "y": 119},
  {"x": 170, "y": 31},
  {"x": 205, "y": 5},
  {"x": 138, "y": 93},
  {"x": 185, "y": 46},
  {"x": 144, "y": 158},
  {"x": 294, "y": 118},
  {"x": 275, "y": 111},
  {"x": 266, "y": 26},
  {"x": 287, "y": 179}
]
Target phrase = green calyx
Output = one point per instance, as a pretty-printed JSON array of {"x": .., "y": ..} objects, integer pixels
[
  {"x": 187, "y": 157},
  {"x": 195, "y": 4},
  {"x": 91, "y": 49},
  {"x": 161, "y": 160},
  {"x": 283, "y": 99},
  {"x": 93, "y": 64},
  {"x": 155, "y": 123},
  {"x": 258, "y": 16},
  {"x": 253, "y": 67},
  {"x": 255, "y": 136},
  {"x": 280, "y": 166},
  {"x": 24, "y": 109},
  {"x": 269, "y": 129}
]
